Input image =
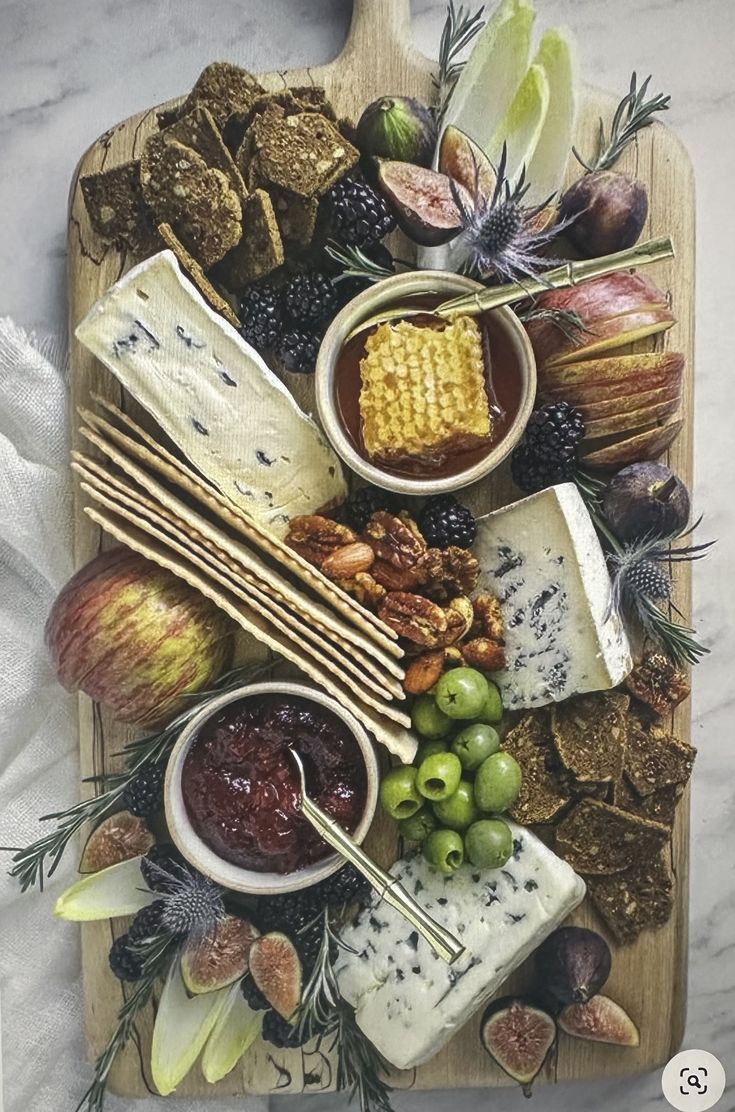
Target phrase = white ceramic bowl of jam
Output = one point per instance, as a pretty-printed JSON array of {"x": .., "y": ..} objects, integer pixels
[
  {"x": 510, "y": 383},
  {"x": 232, "y": 793}
]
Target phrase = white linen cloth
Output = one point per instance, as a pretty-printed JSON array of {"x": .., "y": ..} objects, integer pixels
[{"x": 44, "y": 1067}]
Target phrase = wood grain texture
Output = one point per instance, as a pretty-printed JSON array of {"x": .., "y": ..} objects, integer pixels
[{"x": 649, "y": 978}]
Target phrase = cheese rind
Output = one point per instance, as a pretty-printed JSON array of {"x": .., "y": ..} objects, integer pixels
[
  {"x": 407, "y": 1000},
  {"x": 212, "y": 394},
  {"x": 542, "y": 559}
]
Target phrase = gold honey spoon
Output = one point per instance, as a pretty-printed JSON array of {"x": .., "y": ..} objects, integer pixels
[
  {"x": 569, "y": 274},
  {"x": 388, "y": 887}
]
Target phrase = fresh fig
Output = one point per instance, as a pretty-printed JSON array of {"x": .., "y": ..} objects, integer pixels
[
  {"x": 397, "y": 127},
  {"x": 607, "y": 210},
  {"x": 219, "y": 959},
  {"x": 275, "y": 966},
  {"x": 646, "y": 498},
  {"x": 461, "y": 158},
  {"x": 422, "y": 202},
  {"x": 518, "y": 1036},
  {"x": 573, "y": 964},
  {"x": 117, "y": 839},
  {"x": 601, "y": 1020}
]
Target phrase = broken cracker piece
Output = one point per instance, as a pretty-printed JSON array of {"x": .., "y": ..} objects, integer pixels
[
  {"x": 590, "y": 733},
  {"x": 660, "y": 806},
  {"x": 599, "y": 839},
  {"x": 634, "y": 900},
  {"x": 117, "y": 208},
  {"x": 296, "y": 216},
  {"x": 655, "y": 759},
  {"x": 658, "y": 683},
  {"x": 189, "y": 264},
  {"x": 199, "y": 131},
  {"x": 303, "y": 153},
  {"x": 260, "y": 250},
  {"x": 225, "y": 90},
  {"x": 542, "y": 795},
  {"x": 197, "y": 201}
]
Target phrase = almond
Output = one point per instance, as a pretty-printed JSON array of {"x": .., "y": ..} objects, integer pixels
[{"x": 349, "y": 561}]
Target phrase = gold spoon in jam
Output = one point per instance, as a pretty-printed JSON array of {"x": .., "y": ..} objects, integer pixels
[{"x": 388, "y": 887}]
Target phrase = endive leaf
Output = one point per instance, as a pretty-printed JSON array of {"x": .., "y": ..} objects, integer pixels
[
  {"x": 183, "y": 1025},
  {"x": 523, "y": 123},
  {"x": 545, "y": 170},
  {"x": 117, "y": 890},
  {"x": 236, "y": 1029}
]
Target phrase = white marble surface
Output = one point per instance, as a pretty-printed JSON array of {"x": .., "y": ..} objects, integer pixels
[{"x": 69, "y": 68}]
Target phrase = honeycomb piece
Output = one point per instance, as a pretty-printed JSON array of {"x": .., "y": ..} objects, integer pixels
[{"x": 423, "y": 391}]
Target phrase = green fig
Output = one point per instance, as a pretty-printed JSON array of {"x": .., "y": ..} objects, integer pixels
[{"x": 400, "y": 128}]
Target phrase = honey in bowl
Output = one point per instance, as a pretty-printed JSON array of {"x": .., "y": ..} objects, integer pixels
[
  {"x": 444, "y": 408},
  {"x": 241, "y": 789}
]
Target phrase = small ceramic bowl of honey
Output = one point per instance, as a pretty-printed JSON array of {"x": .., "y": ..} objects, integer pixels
[{"x": 421, "y": 405}]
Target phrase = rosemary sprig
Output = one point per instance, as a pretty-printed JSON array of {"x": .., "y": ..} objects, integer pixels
[
  {"x": 633, "y": 114},
  {"x": 35, "y": 862},
  {"x": 356, "y": 264},
  {"x": 568, "y": 321},
  {"x": 460, "y": 28}
]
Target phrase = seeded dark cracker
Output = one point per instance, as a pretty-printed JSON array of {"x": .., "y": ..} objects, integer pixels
[
  {"x": 542, "y": 794},
  {"x": 304, "y": 153},
  {"x": 655, "y": 759},
  {"x": 195, "y": 272},
  {"x": 590, "y": 735},
  {"x": 296, "y": 216},
  {"x": 199, "y": 131},
  {"x": 634, "y": 900},
  {"x": 197, "y": 201},
  {"x": 658, "y": 683},
  {"x": 660, "y": 806},
  {"x": 259, "y": 252},
  {"x": 117, "y": 208},
  {"x": 597, "y": 838},
  {"x": 226, "y": 90}
]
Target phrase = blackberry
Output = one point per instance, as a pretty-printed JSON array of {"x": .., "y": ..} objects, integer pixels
[
  {"x": 310, "y": 298},
  {"x": 363, "y": 503},
  {"x": 344, "y": 886},
  {"x": 124, "y": 964},
  {"x": 360, "y": 216},
  {"x": 646, "y": 578},
  {"x": 252, "y": 994},
  {"x": 166, "y": 858},
  {"x": 279, "y": 1032},
  {"x": 298, "y": 350},
  {"x": 444, "y": 522},
  {"x": 548, "y": 452},
  {"x": 143, "y": 796},
  {"x": 147, "y": 922},
  {"x": 261, "y": 313}
]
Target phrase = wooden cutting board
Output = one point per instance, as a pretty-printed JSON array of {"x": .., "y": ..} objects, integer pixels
[{"x": 649, "y": 978}]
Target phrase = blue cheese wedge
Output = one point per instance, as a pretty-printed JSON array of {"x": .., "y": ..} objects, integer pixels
[
  {"x": 212, "y": 394},
  {"x": 408, "y": 1001},
  {"x": 541, "y": 558}
]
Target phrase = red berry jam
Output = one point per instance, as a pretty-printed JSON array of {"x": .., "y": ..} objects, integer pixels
[{"x": 241, "y": 789}]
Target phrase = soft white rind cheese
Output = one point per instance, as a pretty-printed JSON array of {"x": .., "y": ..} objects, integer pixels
[
  {"x": 542, "y": 559},
  {"x": 212, "y": 394},
  {"x": 407, "y": 1000}
]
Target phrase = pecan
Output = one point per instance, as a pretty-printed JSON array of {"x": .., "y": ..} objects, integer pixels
[
  {"x": 393, "y": 541},
  {"x": 315, "y": 537},
  {"x": 488, "y": 618},
  {"x": 346, "y": 562},
  {"x": 457, "y": 626},
  {"x": 396, "y": 579},
  {"x": 411, "y": 524},
  {"x": 485, "y": 654},
  {"x": 453, "y": 657},
  {"x": 448, "y": 572},
  {"x": 463, "y": 607},
  {"x": 423, "y": 672},
  {"x": 416, "y": 618},
  {"x": 364, "y": 588}
]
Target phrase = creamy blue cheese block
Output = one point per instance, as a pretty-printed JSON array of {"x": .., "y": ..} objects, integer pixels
[
  {"x": 212, "y": 394},
  {"x": 407, "y": 1000},
  {"x": 541, "y": 558}
]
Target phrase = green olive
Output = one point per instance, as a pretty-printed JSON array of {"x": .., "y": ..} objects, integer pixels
[
  {"x": 428, "y": 748},
  {"x": 428, "y": 720},
  {"x": 438, "y": 776},
  {"x": 492, "y": 711},
  {"x": 474, "y": 743},
  {"x": 419, "y": 826},
  {"x": 459, "y": 811},
  {"x": 444, "y": 849},
  {"x": 461, "y": 692},
  {"x": 498, "y": 782},
  {"x": 398, "y": 792},
  {"x": 488, "y": 843}
]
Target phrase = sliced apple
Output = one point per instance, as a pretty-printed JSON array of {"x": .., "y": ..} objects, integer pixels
[
  {"x": 643, "y": 446},
  {"x": 598, "y": 380},
  {"x": 628, "y": 403},
  {"x": 628, "y": 422}
]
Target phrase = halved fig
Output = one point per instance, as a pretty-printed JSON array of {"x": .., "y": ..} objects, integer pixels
[
  {"x": 275, "y": 966},
  {"x": 601, "y": 1020},
  {"x": 573, "y": 964},
  {"x": 630, "y": 421},
  {"x": 518, "y": 1036},
  {"x": 422, "y": 202},
  {"x": 461, "y": 158},
  {"x": 646, "y": 445},
  {"x": 119, "y": 838},
  {"x": 219, "y": 959}
]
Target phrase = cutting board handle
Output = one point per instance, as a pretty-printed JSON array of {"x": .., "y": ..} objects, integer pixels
[{"x": 377, "y": 23}]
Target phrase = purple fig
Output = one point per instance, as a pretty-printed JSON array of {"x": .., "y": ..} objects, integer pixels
[
  {"x": 646, "y": 499},
  {"x": 601, "y": 1020},
  {"x": 397, "y": 128},
  {"x": 422, "y": 202},
  {"x": 608, "y": 210},
  {"x": 518, "y": 1036},
  {"x": 573, "y": 964},
  {"x": 461, "y": 158}
]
